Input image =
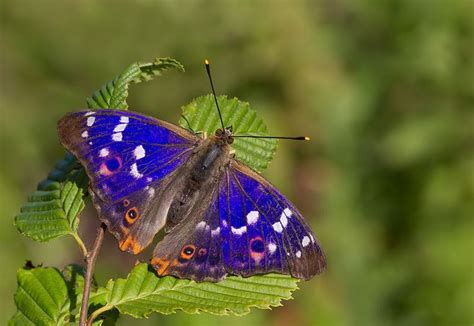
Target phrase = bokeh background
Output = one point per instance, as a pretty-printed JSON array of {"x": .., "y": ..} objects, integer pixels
[{"x": 385, "y": 89}]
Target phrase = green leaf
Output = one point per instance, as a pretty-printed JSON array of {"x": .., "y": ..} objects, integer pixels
[
  {"x": 41, "y": 298},
  {"x": 143, "y": 293},
  {"x": 202, "y": 116},
  {"x": 114, "y": 93},
  {"x": 53, "y": 209}
]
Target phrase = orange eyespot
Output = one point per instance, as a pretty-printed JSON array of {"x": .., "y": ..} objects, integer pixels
[
  {"x": 188, "y": 251},
  {"x": 257, "y": 249},
  {"x": 257, "y": 245},
  {"x": 132, "y": 215},
  {"x": 110, "y": 166}
]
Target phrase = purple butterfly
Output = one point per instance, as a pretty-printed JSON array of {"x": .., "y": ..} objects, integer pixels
[{"x": 220, "y": 216}]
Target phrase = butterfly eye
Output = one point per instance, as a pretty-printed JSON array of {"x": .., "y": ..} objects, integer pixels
[
  {"x": 188, "y": 252},
  {"x": 132, "y": 215}
]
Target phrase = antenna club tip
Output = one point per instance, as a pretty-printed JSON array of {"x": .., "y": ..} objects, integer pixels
[
  {"x": 206, "y": 62},
  {"x": 307, "y": 138}
]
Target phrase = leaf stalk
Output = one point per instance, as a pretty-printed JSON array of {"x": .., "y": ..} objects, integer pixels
[
  {"x": 80, "y": 243},
  {"x": 97, "y": 312}
]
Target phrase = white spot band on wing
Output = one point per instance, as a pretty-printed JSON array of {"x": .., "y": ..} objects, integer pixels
[
  {"x": 134, "y": 171},
  {"x": 120, "y": 127},
  {"x": 103, "y": 152},
  {"x": 117, "y": 137},
  {"x": 305, "y": 241},
  {"x": 277, "y": 227},
  {"x": 139, "y": 152},
  {"x": 239, "y": 231},
  {"x": 252, "y": 217},
  {"x": 272, "y": 247},
  {"x": 90, "y": 121}
]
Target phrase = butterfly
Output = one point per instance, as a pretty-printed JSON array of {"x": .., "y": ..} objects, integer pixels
[{"x": 220, "y": 216}]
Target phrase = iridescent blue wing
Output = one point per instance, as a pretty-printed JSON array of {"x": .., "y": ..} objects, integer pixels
[
  {"x": 130, "y": 159},
  {"x": 249, "y": 228}
]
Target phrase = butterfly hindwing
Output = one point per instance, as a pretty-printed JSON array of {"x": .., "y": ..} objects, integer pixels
[
  {"x": 193, "y": 248},
  {"x": 129, "y": 159},
  {"x": 248, "y": 228}
]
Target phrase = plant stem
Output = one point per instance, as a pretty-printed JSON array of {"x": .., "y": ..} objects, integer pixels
[{"x": 90, "y": 262}]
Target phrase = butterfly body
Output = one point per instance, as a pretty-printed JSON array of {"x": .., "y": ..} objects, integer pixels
[
  {"x": 195, "y": 181},
  {"x": 221, "y": 217}
]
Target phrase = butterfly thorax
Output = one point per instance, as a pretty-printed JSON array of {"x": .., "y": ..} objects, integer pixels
[
  {"x": 224, "y": 135},
  {"x": 198, "y": 177}
]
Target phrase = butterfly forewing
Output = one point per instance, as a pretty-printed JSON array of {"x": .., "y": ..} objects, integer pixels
[{"x": 128, "y": 158}]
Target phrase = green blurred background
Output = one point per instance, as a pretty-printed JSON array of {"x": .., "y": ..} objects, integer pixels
[{"x": 385, "y": 89}]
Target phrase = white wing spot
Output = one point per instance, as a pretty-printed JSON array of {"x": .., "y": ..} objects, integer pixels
[
  {"x": 305, "y": 241},
  {"x": 239, "y": 231},
  {"x": 88, "y": 113},
  {"x": 90, "y": 121},
  {"x": 252, "y": 217},
  {"x": 120, "y": 127},
  {"x": 216, "y": 231},
  {"x": 298, "y": 254},
  {"x": 272, "y": 248},
  {"x": 224, "y": 223},
  {"x": 201, "y": 225},
  {"x": 117, "y": 137},
  {"x": 283, "y": 220},
  {"x": 85, "y": 134},
  {"x": 277, "y": 227},
  {"x": 134, "y": 171},
  {"x": 284, "y": 217},
  {"x": 139, "y": 152},
  {"x": 312, "y": 238},
  {"x": 151, "y": 191},
  {"x": 149, "y": 179},
  {"x": 124, "y": 119},
  {"x": 103, "y": 152}
]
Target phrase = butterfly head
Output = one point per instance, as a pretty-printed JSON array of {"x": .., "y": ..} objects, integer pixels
[{"x": 225, "y": 135}]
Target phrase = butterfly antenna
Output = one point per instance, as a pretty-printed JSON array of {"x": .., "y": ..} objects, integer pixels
[
  {"x": 208, "y": 70},
  {"x": 272, "y": 137}
]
